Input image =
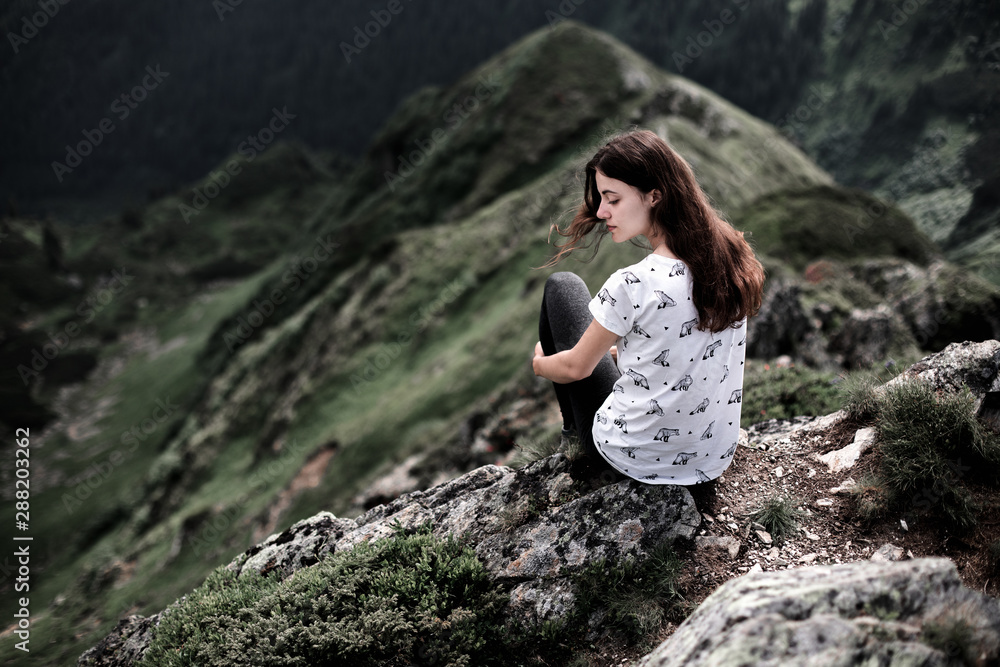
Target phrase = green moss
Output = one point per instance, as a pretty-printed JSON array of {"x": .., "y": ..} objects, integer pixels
[{"x": 782, "y": 392}]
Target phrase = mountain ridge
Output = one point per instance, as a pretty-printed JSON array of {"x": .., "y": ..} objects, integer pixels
[{"x": 444, "y": 263}]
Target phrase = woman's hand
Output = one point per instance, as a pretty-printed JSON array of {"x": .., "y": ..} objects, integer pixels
[
  {"x": 538, "y": 354},
  {"x": 579, "y": 361}
]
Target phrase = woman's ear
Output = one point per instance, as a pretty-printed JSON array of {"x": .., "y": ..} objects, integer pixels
[{"x": 654, "y": 197}]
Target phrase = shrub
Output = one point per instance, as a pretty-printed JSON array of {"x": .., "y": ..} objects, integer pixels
[{"x": 405, "y": 600}]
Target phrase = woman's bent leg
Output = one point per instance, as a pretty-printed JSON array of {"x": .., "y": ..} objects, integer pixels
[{"x": 564, "y": 317}]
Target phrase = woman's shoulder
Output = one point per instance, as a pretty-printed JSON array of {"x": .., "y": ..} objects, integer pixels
[{"x": 655, "y": 269}]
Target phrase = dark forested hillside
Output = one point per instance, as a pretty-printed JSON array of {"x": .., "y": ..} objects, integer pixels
[{"x": 225, "y": 66}]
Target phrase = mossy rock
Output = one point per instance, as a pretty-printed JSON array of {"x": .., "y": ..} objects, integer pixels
[{"x": 831, "y": 222}]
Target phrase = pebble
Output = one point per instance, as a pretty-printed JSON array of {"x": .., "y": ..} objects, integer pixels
[
  {"x": 808, "y": 558},
  {"x": 812, "y": 536},
  {"x": 779, "y": 471},
  {"x": 764, "y": 536},
  {"x": 845, "y": 486},
  {"x": 824, "y": 502}
]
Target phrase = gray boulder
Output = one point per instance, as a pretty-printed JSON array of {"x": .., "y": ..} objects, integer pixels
[
  {"x": 533, "y": 528},
  {"x": 905, "y": 613}
]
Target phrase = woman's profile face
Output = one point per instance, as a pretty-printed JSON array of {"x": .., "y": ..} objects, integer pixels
[{"x": 624, "y": 209}]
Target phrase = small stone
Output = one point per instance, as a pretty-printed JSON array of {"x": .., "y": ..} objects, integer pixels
[
  {"x": 887, "y": 553},
  {"x": 824, "y": 502},
  {"x": 779, "y": 471},
  {"x": 559, "y": 484},
  {"x": 764, "y": 536},
  {"x": 808, "y": 558},
  {"x": 708, "y": 518},
  {"x": 730, "y": 544},
  {"x": 812, "y": 536},
  {"x": 756, "y": 568},
  {"x": 811, "y": 473},
  {"x": 902, "y": 522},
  {"x": 842, "y": 459}
]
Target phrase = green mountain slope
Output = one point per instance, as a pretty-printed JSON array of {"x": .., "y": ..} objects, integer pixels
[
  {"x": 908, "y": 111},
  {"x": 400, "y": 301}
]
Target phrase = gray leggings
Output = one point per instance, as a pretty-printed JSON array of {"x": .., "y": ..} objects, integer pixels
[{"x": 564, "y": 318}]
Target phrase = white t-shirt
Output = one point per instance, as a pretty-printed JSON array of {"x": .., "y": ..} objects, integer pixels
[{"x": 674, "y": 414}]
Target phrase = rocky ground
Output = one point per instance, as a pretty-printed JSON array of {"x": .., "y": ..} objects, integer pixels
[{"x": 537, "y": 527}]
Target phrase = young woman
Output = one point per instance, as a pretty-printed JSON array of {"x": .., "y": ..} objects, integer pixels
[{"x": 649, "y": 373}]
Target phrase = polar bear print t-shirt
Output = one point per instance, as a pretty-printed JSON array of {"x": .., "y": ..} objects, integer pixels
[{"x": 674, "y": 414}]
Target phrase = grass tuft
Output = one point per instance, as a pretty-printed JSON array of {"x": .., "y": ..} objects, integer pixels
[
  {"x": 529, "y": 451},
  {"x": 931, "y": 445},
  {"x": 637, "y": 597},
  {"x": 859, "y": 397},
  {"x": 779, "y": 516},
  {"x": 871, "y": 498}
]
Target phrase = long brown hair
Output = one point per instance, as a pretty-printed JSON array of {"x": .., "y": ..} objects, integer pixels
[{"x": 728, "y": 279}]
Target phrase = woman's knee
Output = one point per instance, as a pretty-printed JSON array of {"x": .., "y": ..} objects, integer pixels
[{"x": 563, "y": 282}]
